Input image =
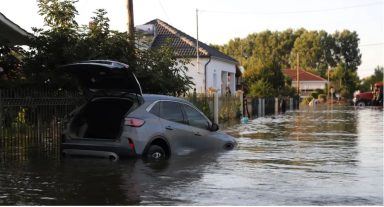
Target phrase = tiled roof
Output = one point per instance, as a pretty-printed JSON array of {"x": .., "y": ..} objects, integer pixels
[
  {"x": 183, "y": 44},
  {"x": 303, "y": 75}
]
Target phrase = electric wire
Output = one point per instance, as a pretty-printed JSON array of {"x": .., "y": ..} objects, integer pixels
[{"x": 293, "y": 12}]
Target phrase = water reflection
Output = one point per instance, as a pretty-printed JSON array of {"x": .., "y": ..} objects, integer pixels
[
  {"x": 307, "y": 157},
  {"x": 84, "y": 181}
]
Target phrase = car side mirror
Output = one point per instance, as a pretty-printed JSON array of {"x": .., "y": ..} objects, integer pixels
[{"x": 214, "y": 127}]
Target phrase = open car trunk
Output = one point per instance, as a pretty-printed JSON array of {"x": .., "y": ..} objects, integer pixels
[{"x": 101, "y": 118}]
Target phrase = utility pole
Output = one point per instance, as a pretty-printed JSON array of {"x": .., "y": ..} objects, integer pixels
[
  {"x": 131, "y": 24},
  {"x": 297, "y": 75},
  {"x": 329, "y": 68},
  {"x": 197, "y": 44}
]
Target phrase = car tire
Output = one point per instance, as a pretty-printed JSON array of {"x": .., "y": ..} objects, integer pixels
[
  {"x": 156, "y": 152},
  {"x": 360, "y": 104}
]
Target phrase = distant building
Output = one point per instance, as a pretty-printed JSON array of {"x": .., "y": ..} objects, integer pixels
[
  {"x": 11, "y": 33},
  {"x": 215, "y": 69},
  {"x": 309, "y": 82}
]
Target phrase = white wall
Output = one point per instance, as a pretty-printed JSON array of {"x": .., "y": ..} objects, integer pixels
[
  {"x": 219, "y": 67},
  {"x": 197, "y": 75},
  {"x": 215, "y": 66},
  {"x": 310, "y": 85}
]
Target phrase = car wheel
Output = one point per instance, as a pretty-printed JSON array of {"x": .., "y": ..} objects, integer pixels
[
  {"x": 361, "y": 104},
  {"x": 155, "y": 152}
]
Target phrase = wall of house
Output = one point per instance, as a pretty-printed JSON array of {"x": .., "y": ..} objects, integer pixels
[
  {"x": 310, "y": 85},
  {"x": 216, "y": 71},
  {"x": 197, "y": 75},
  {"x": 220, "y": 69}
]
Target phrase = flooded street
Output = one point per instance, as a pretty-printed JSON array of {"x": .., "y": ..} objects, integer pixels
[{"x": 305, "y": 157}]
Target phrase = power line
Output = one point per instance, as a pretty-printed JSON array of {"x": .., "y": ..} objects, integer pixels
[
  {"x": 294, "y": 12},
  {"x": 372, "y": 44}
]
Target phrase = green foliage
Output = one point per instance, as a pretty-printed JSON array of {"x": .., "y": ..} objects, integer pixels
[
  {"x": 288, "y": 91},
  {"x": 261, "y": 88},
  {"x": 320, "y": 91},
  {"x": 317, "y": 51},
  {"x": 58, "y": 14},
  {"x": 346, "y": 81},
  {"x": 314, "y": 95},
  {"x": 160, "y": 72},
  {"x": 64, "y": 42},
  {"x": 367, "y": 83},
  {"x": 347, "y": 50},
  {"x": 322, "y": 97},
  {"x": 10, "y": 65},
  {"x": 229, "y": 108},
  {"x": 307, "y": 100}
]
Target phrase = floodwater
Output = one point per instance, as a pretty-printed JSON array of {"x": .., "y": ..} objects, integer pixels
[{"x": 306, "y": 157}]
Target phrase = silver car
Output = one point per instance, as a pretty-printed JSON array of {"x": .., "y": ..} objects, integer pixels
[{"x": 119, "y": 121}]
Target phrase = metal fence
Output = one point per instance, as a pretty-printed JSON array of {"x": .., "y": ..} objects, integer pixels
[
  {"x": 31, "y": 122},
  {"x": 258, "y": 107}
]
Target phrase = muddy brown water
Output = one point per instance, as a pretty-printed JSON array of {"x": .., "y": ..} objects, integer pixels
[{"x": 306, "y": 157}]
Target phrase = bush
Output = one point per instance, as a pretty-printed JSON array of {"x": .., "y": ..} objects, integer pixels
[
  {"x": 315, "y": 95},
  {"x": 261, "y": 88},
  {"x": 322, "y": 97},
  {"x": 320, "y": 91},
  {"x": 229, "y": 108},
  {"x": 307, "y": 100}
]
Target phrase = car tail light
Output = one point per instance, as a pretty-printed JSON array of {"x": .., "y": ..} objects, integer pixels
[{"x": 133, "y": 122}]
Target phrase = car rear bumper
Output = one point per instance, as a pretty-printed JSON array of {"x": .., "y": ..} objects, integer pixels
[
  {"x": 90, "y": 153},
  {"x": 115, "y": 152}
]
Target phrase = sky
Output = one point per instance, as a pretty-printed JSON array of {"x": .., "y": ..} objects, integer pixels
[{"x": 222, "y": 20}]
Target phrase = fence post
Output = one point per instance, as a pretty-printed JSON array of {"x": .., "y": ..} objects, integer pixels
[
  {"x": 259, "y": 108},
  {"x": 263, "y": 111},
  {"x": 291, "y": 103},
  {"x": 1, "y": 109},
  {"x": 276, "y": 106},
  {"x": 216, "y": 108},
  {"x": 240, "y": 94}
]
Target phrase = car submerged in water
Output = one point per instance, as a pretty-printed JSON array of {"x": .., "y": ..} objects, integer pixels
[{"x": 119, "y": 121}]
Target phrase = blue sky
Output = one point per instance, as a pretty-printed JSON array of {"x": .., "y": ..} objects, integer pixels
[{"x": 222, "y": 20}]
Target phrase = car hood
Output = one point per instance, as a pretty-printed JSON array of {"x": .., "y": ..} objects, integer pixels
[{"x": 105, "y": 75}]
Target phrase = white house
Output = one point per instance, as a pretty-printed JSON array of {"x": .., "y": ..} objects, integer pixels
[
  {"x": 214, "y": 70},
  {"x": 308, "y": 82}
]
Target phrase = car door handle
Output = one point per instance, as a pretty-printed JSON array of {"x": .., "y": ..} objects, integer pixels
[
  {"x": 197, "y": 134},
  {"x": 169, "y": 128}
]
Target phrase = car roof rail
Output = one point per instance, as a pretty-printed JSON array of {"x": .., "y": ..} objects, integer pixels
[{"x": 108, "y": 62}]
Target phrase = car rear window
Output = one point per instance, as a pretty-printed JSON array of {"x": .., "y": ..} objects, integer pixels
[
  {"x": 171, "y": 111},
  {"x": 155, "y": 109}
]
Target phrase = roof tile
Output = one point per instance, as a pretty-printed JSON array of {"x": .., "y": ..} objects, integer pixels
[
  {"x": 183, "y": 44},
  {"x": 304, "y": 75}
]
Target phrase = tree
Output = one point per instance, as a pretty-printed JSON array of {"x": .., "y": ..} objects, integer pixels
[
  {"x": 318, "y": 51},
  {"x": 348, "y": 57},
  {"x": 10, "y": 65},
  {"x": 309, "y": 49},
  {"x": 261, "y": 88},
  {"x": 368, "y": 82},
  {"x": 65, "y": 42}
]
